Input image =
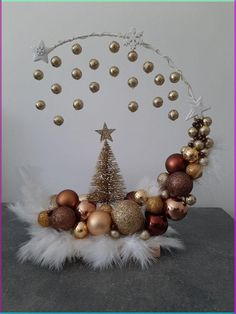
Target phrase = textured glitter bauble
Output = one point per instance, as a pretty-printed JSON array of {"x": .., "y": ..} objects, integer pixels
[
  {"x": 128, "y": 217},
  {"x": 94, "y": 64},
  {"x": 56, "y": 62},
  {"x": 133, "y": 106},
  {"x": 173, "y": 115},
  {"x": 76, "y": 49},
  {"x": 40, "y": 105},
  {"x": 141, "y": 196},
  {"x": 130, "y": 196},
  {"x": 175, "y": 210},
  {"x": 156, "y": 225},
  {"x": 68, "y": 198},
  {"x": 86, "y": 208},
  {"x": 56, "y": 88},
  {"x": 159, "y": 79},
  {"x": 157, "y": 102},
  {"x": 173, "y": 95},
  {"x": 115, "y": 234},
  {"x": 132, "y": 82},
  {"x": 154, "y": 205},
  {"x": 190, "y": 200},
  {"x": 114, "y": 46},
  {"x": 144, "y": 235},
  {"x": 174, "y": 77},
  {"x": 194, "y": 170},
  {"x": 53, "y": 202},
  {"x": 43, "y": 219},
  {"x": 162, "y": 178},
  {"x": 63, "y": 218},
  {"x": 190, "y": 154},
  {"x": 58, "y": 120},
  {"x": 76, "y": 73},
  {"x": 175, "y": 162},
  {"x": 148, "y": 67},
  {"x": 106, "y": 208},
  {"x": 78, "y": 104},
  {"x": 99, "y": 222},
  {"x": 132, "y": 56},
  {"x": 114, "y": 71},
  {"x": 179, "y": 184},
  {"x": 38, "y": 75},
  {"x": 94, "y": 87},
  {"x": 207, "y": 121},
  {"x": 81, "y": 230}
]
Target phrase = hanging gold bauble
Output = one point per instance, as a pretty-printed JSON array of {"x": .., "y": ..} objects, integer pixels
[
  {"x": 99, "y": 222},
  {"x": 154, "y": 205},
  {"x": 81, "y": 230},
  {"x": 56, "y": 88},
  {"x": 128, "y": 217},
  {"x": 94, "y": 87},
  {"x": 192, "y": 132},
  {"x": 43, "y": 219},
  {"x": 174, "y": 77},
  {"x": 190, "y": 200},
  {"x": 38, "y": 75},
  {"x": 132, "y": 82},
  {"x": 144, "y": 235},
  {"x": 141, "y": 196},
  {"x": 76, "y": 49},
  {"x": 40, "y": 105},
  {"x": 76, "y": 73},
  {"x": 94, "y": 64},
  {"x": 115, "y": 234},
  {"x": 53, "y": 203},
  {"x": 203, "y": 161},
  {"x": 78, "y": 104},
  {"x": 148, "y": 67},
  {"x": 114, "y": 71},
  {"x": 56, "y": 62},
  {"x": 183, "y": 149},
  {"x": 194, "y": 170},
  {"x": 204, "y": 130},
  {"x": 133, "y": 106},
  {"x": 173, "y": 115},
  {"x": 132, "y": 56},
  {"x": 199, "y": 145},
  {"x": 190, "y": 154},
  {"x": 207, "y": 121},
  {"x": 209, "y": 142},
  {"x": 58, "y": 120},
  {"x": 159, "y": 79},
  {"x": 157, "y": 102},
  {"x": 114, "y": 46},
  {"x": 173, "y": 95}
]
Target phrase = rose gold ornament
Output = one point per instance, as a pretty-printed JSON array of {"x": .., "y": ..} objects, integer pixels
[
  {"x": 194, "y": 170},
  {"x": 53, "y": 203},
  {"x": 99, "y": 222},
  {"x": 174, "y": 77},
  {"x": 114, "y": 71},
  {"x": 159, "y": 79},
  {"x": 76, "y": 73},
  {"x": 56, "y": 88},
  {"x": 141, "y": 197},
  {"x": 76, "y": 49},
  {"x": 157, "y": 102},
  {"x": 68, "y": 198},
  {"x": 86, "y": 208},
  {"x": 106, "y": 208},
  {"x": 56, "y": 61},
  {"x": 81, "y": 230},
  {"x": 38, "y": 75},
  {"x": 132, "y": 56},
  {"x": 154, "y": 205},
  {"x": 190, "y": 154},
  {"x": 114, "y": 46},
  {"x": 94, "y": 87},
  {"x": 175, "y": 162},
  {"x": 133, "y": 106},
  {"x": 179, "y": 184},
  {"x": 63, "y": 218},
  {"x": 78, "y": 104},
  {"x": 58, "y": 120},
  {"x": 43, "y": 219},
  {"x": 132, "y": 82},
  {"x": 175, "y": 210},
  {"x": 173, "y": 115},
  {"x": 148, "y": 67},
  {"x": 40, "y": 105},
  {"x": 94, "y": 64}
]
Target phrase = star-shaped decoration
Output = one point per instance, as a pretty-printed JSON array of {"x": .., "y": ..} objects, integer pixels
[
  {"x": 41, "y": 52},
  {"x": 133, "y": 39},
  {"x": 105, "y": 133},
  {"x": 197, "y": 108}
]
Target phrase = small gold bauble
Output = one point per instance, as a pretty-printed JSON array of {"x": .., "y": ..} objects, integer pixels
[
  {"x": 204, "y": 130},
  {"x": 183, "y": 149},
  {"x": 56, "y": 88},
  {"x": 190, "y": 200},
  {"x": 114, "y": 46},
  {"x": 154, "y": 205},
  {"x": 114, "y": 71},
  {"x": 43, "y": 219},
  {"x": 38, "y": 75},
  {"x": 173, "y": 115},
  {"x": 194, "y": 170},
  {"x": 133, "y": 106},
  {"x": 141, "y": 196},
  {"x": 205, "y": 151},
  {"x": 76, "y": 73},
  {"x": 53, "y": 203},
  {"x": 76, "y": 49},
  {"x": 192, "y": 132},
  {"x": 58, "y": 120},
  {"x": 207, "y": 121},
  {"x": 159, "y": 79},
  {"x": 209, "y": 143},
  {"x": 162, "y": 178},
  {"x": 165, "y": 194},
  {"x": 132, "y": 56},
  {"x": 199, "y": 145},
  {"x": 115, "y": 234},
  {"x": 94, "y": 87},
  {"x": 81, "y": 230},
  {"x": 106, "y": 208},
  {"x": 144, "y": 235},
  {"x": 190, "y": 154},
  {"x": 99, "y": 222},
  {"x": 132, "y": 82},
  {"x": 56, "y": 62},
  {"x": 40, "y": 105},
  {"x": 157, "y": 102},
  {"x": 174, "y": 77},
  {"x": 203, "y": 161},
  {"x": 78, "y": 104},
  {"x": 148, "y": 67},
  {"x": 94, "y": 64},
  {"x": 173, "y": 95}
]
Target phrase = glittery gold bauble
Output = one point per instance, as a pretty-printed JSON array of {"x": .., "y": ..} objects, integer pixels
[
  {"x": 207, "y": 121},
  {"x": 56, "y": 61},
  {"x": 68, "y": 198},
  {"x": 199, "y": 145},
  {"x": 174, "y": 77},
  {"x": 128, "y": 217},
  {"x": 106, "y": 208},
  {"x": 173, "y": 115},
  {"x": 114, "y": 46},
  {"x": 204, "y": 130},
  {"x": 56, "y": 88},
  {"x": 173, "y": 95},
  {"x": 175, "y": 210},
  {"x": 76, "y": 49},
  {"x": 115, "y": 234},
  {"x": 78, "y": 104},
  {"x": 148, "y": 67},
  {"x": 209, "y": 142},
  {"x": 203, "y": 161},
  {"x": 179, "y": 184},
  {"x": 40, "y": 105},
  {"x": 63, "y": 218},
  {"x": 132, "y": 56},
  {"x": 86, "y": 208},
  {"x": 53, "y": 202},
  {"x": 162, "y": 178},
  {"x": 133, "y": 106},
  {"x": 76, "y": 73},
  {"x": 132, "y": 82},
  {"x": 114, "y": 71},
  {"x": 81, "y": 230},
  {"x": 157, "y": 102},
  {"x": 58, "y": 120},
  {"x": 194, "y": 170},
  {"x": 154, "y": 205},
  {"x": 94, "y": 87},
  {"x": 94, "y": 64},
  {"x": 141, "y": 196},
  {"x": 43, "y": 219},
  {"x": 159, "y": 79},
  {"x": 38, "y": 75},
  {"x": 144, "y": 235},
  {"x": 99, "y": 222},
  {"x": 190, "y": 154},
  {"x": 190, "y": 200},
  {"x": 192, "y": 132}
]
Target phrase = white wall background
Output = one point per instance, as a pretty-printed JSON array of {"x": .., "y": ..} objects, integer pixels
[{"x": 199, "y": 37}]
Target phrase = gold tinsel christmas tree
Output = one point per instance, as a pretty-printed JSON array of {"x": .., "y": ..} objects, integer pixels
[{"x": 107, "y": 185}]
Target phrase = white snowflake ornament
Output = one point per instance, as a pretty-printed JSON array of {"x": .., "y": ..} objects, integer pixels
[{"x": 133, "y": 39}]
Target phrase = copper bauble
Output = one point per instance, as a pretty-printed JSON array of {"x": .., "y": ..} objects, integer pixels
[
  {"x": 157, "y": 102},
  {"x": 154, "y": 205},
  {"x": 175, "y": 210},
  {"x": 190, "y": 154},
  {"x": 106, "y": 208},
  {"x": 194, "y": 170},
  {"x": 175, "y": 162},
  {"x": 78, "y": 104},
  {"x": 141, "y": 196},
  {"x": 56, "y": 88},
  {"x": 55, "y": 62},
  {"x": 38, "y": 75},
  {"x": 132, "y": 56},
  {"x": 114, "y": 71},
  {"x": 94, "y": 64},
  {"x": 174, "y": 77},
  {"x": 179, "y": 184},
  {"x": 128, "y": 217},
  {"x": 43, "y": 219},
  {"x": 99, "y": 222},
  {"x": 53, "y": 202},
  {"x": 63, "y": 218},
  {"x": 159, "y": 79},
  {"x": 94, "y": 87},
  {"x": 130, "y": 196},
  {"x": 148, "y": 67},
  {"x": 133, "y": 106},
  {"x": 58, "y": 120},
  {"x": 76, "y": 49},
  {"x": 132, "y": 82},
  {"x": 81, "y": 230},
  {"x": 114, "y": 46},
  {"x": 76, "y": 73},
  {"x": 156, "y": 225},
  {"x": 173, "y": 115},
  {"x": 40, "y": 105},
  {"x": 86, "y": 208},
  {"x": 68, "y": 198},
  {"x": 173, "y": 95}
]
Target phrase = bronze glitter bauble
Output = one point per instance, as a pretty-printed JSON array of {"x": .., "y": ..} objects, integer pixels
[
  {"x": 175, "y": 162},
  {"x": 148, "y": 67},
  {"x": 132, "y": 56},
  {"x": 38, "y": 75},
  {"x": 58, "y": 120},
  {"x": 179, "y": 184},
  {"x": 156, "y": 225},
  {"x": 55, "y": 62},
  {"x": 157, "y": 102},
  {"x": 154, "y": 205},
  {"x": 128, "y": 217},
  {"x": 63, "y": 218},
  {"x": 86, "y": 208},
  {"x": 94, "y": 64},
  {"x": 175, "y": 210},
  {"x": 99, "y": 222},
  {"x": 114, "y": 46},
  {"x": 76, "y": 73},
  {"x": 43, "y": 219},
  {"x": 194, "y": 170},
  {"x": 68, "y": 198},
  {"x": 173, "y": 95},
  {"x": 78, "y": 104},
  {"x": 174, "y": 77},
  {"x": 159, "y": 79},
  {"x": 40, "y": 105},
  {"x": 81, "y": 230},
  {"x": 76, "y": 49},
  {"x": 56, "y": 88}
]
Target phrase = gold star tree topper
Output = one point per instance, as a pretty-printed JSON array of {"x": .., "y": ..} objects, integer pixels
[{"x": 105, "y": 133}]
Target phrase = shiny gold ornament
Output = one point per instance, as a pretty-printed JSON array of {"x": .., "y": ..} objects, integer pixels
[
  {"x": 58, "y": 120},
  {"x": 78, "y": 104},
  {"x": 199, "y": 145},
  {"x": 207, "y": 121},
  {"x": 204, "y": 130},
  {"x": 165, "y": 194},
  {"x": 99, "y": 222},
  {"x": 183, "y": 149},
  {"x": 175, "y": 210},
  {"x": 81, "y": 230},
  {"x": 190, "y": 200},
  {"x": 106, "y": 208},
  {"x": 128, "y": 217},
  {"x": 145, "y": 235},
  {"x": 173, "y": 95},
  {"x": 56, "y": 62},
  {"x": 53, "y": 203},
  {"x": 194, "y": 170},
  {"x": 190, "y": 154},
  {"x": 94, "y": 87},
  {"x": 86, "y": 208},
  {"x": 173, "y": 115},
  {"x": 38, "y": 75},
  {"x": 132, "y": 56},
  {"x": 114, "y": 71},
  {"x": 162, "y": 178},
  {"x": 56, "y": 88},
  {"x": 157, "y": 102},
  {"x": 154, "y": 205},
  {"x": 203, "y": 161},
  {"x": 148, "y": 67},
  {"x": 40, "y": 105},
  {"x": 132, "y": 82},
  {"x": 94, "y": 64},
  {"x": 43, "y": 219},
  {"x": 76, "y": 73},
  {"x": 76, "y": 49},
  {"x": 209, "y": 143},
  {"x": 114, "y": 46},
  {"x": 205, "y": 151},
  {"x": 141, "y": 197},
  {"x": 115, "y": 234},
  {"x": 159, "y": 79},
  {"x": 133, "y": 106},
  {"x": 174, "y": 77},
  {"x": 192, "y": 132}
]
